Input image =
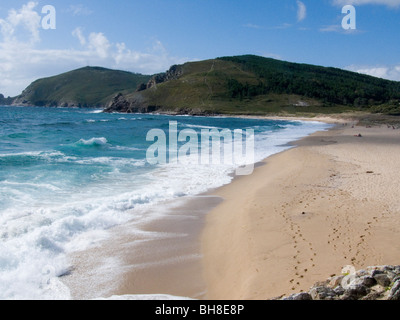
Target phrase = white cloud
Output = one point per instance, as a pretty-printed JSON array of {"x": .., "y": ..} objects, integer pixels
[
  {"x": 25, "y": 18},
  {"x": 339, "y": 29},
  {"x": 78, "y": 33},
  {"x": 331, "y": 28},
  {"x": 252, "y": 26},
  {"x": 389, "y": 3},
  {"x": 79, "y": 10},
  {"x": 384, "y": 72},
  {"x": 155, "y": 59},
  {"x": 99, "y": 44},
  {"x": 301, "y": 11},
  {"x": 23, "y": 61},
  {"x": 280, "y": 26}
]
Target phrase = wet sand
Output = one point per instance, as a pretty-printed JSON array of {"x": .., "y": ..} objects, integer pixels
[{"x": 158, "y": 257}]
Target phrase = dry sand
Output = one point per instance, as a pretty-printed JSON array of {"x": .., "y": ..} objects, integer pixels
[{"x": 306, "y": 213}]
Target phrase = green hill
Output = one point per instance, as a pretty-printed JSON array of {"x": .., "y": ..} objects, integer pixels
[
  {"x": 85, "y": 87},
  {"x": 255, "y": 85},
  {"x": 246, "y": 84}
]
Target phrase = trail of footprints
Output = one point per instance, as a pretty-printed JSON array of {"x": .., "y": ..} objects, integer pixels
[
  {"x": 304, "y": 260},
  {"x": 345, "y": 240},
  {"x": 347, "y": 236}
]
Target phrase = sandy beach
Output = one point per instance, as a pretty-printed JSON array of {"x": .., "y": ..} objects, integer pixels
[{"x": 306, "y": 213}]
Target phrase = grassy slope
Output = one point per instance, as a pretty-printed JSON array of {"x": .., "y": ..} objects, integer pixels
[
  {"x": 89, "y": 86},
  {"x": 332, "y": 86},
  {"x": 203, "y": 87}
]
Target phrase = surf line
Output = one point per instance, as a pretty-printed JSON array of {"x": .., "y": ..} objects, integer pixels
[{"x": 237, "y": 147}]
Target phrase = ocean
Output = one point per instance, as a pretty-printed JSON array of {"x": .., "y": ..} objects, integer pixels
[{"x": 68, "y": 176}]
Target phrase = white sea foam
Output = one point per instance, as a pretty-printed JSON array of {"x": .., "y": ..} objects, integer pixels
[
  {"x": 93, "y": 141},
  {"x": 200, "y": 126},
  {"x": 124, "y": 148},
  {"x": 32, "y": 185},
  {"x": 96, "y": 111},
  {"x": 44, "y": 154}
]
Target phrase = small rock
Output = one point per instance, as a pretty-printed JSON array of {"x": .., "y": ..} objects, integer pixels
[
  {"x": 322, "y": 293},
  {"x": 361, "y": 273},
  {"x": 335, "y": 281},
  {"x": 391, "y": 275},
  {"x": 299, "y": 296},
  {"x": 347, "y": 296},
  {"x": 367, "y": 281},
  {"x": 382, "y": 279},
  {"x": 388, "y": 268},
  {"x": 357, "y": 291},
  {"x": 339, "y": 290},
  {"x": 375, "y": 272},
  {"x": 374, "y": 295},
  {"x": 394, "y": 293},
  {"x": 321, "y": 283}
]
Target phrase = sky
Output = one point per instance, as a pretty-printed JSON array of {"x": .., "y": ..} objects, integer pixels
[{"x": 148, "y": 36}]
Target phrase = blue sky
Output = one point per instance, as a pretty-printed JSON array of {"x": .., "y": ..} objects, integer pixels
[{"x": 149, "y": 36}]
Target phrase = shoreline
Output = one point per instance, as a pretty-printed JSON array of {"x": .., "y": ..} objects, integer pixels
[
  {"x": 159, "y": 257},
  {"x": 305, "y": 214},
  {"x": 184, "y": 279},
  {"x": 147, "y": 249},
  {"x": 255, "y": 254}
]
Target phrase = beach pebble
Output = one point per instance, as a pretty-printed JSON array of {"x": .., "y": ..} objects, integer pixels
[
  {"x": 339, "y": 290},
  {"x": 366, "y": 281},
  {"x": 299, "y": 296},
  {"x": 356, "y": 291},
  {"x": 382, "y": 279},
  {"x": 322, "y": 293}
]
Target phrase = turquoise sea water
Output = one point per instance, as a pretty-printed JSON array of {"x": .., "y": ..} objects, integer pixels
[{"x": 69, "y": 175}]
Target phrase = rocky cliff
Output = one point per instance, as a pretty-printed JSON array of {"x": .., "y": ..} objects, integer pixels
[
  {"x": 120, "y": 103},
  {"x": 5, "y": 101},
  {"x": 137, "y": 103},
  {"x": 172, "y": 74}
]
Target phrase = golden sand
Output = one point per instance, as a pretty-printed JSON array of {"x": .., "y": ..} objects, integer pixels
[{"x": 306, "y": 213}]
